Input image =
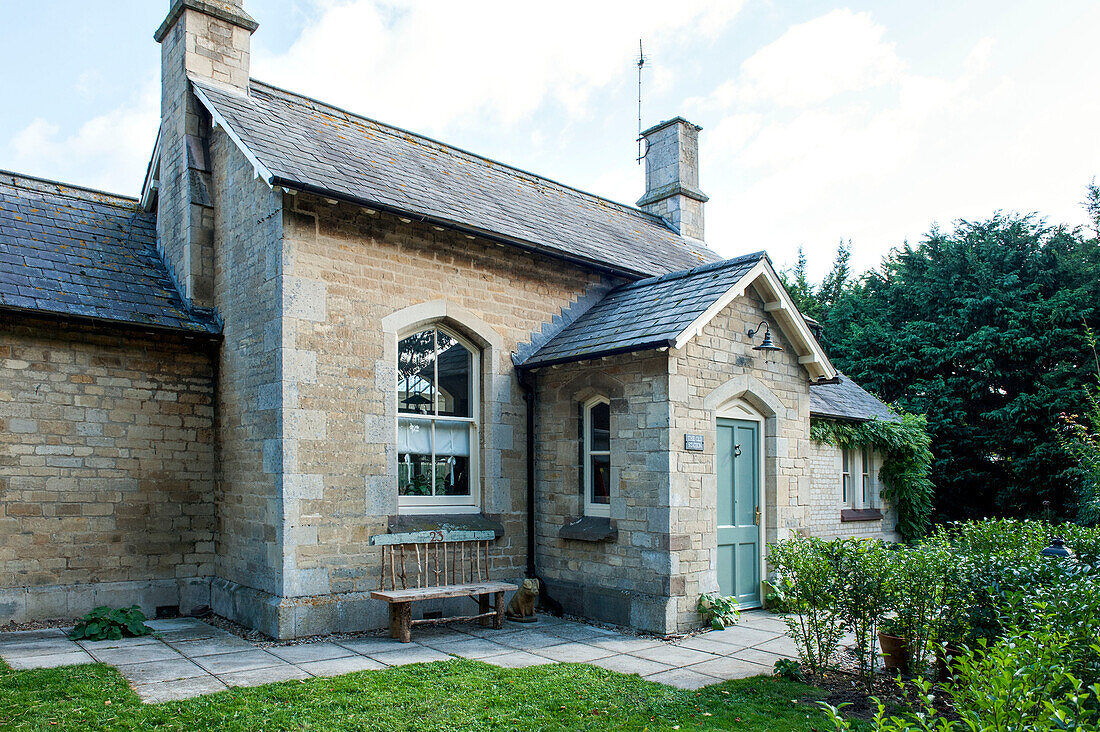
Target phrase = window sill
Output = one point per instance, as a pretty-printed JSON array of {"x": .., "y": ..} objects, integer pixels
[
  {"x": 450, "y": 521},
  {"x": 848, "y": 515},
  {"x": 589, "y": 528}
]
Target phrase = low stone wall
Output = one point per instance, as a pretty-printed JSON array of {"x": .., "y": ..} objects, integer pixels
[{"x": 106, "y": 469}]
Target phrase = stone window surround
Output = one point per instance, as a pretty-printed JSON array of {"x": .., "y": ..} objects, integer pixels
[
  {"x": 589, "y": 507},
  {"x": 856, "y": 508},
  {"x": 492, "y": 383}
]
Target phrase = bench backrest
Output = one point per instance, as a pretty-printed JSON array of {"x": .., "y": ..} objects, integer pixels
[{"x": 442, "y": 557}]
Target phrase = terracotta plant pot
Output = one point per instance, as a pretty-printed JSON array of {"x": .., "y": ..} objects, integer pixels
[{"x": 895, "y": 652}]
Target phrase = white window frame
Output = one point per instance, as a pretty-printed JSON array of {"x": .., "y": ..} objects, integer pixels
[
  {"x": 447, "y": 504},
  {"x": 602, "y": 510},
  {"x": 847, "y": 477},
  {"x": 868, "y": 485}
]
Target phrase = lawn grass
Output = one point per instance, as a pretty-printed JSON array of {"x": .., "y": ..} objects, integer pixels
[{"x": 446, "y": 695}]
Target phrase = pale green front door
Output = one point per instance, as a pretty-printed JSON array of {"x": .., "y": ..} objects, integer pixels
[{"x": 738, "y": 502}]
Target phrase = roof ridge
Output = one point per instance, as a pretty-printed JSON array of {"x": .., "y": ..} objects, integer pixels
[
  {"x": 709, "y": 266},
  {"x": 392, "y": 129},
  {"x": 49, "y": 181}
]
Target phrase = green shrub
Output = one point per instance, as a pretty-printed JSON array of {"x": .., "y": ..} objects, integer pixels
[
  {"x": 806, "y": 573},
  {"x": 789, "y": 669},
  {"x": 103, "y": 623},
  {"x": 865, "y": 592},
  {"x": 920, "y": 576},
  {"x": 720, "y": 612}
]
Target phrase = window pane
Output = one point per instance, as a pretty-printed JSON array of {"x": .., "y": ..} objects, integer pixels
[
  {"x": 601, "y": 478},
  {"x": 452, "y": 475},
  {"x": 866, "y": 461},
  {"x": 868, "y": 498},
  {"x": 414, "y": 457},
  {"x": 845, "y": 454},
  {"x": 847, "y": 488},
  {"x": 454, "y": 376},
  {"x": 416, "y": 373},
  {"x": 600, "y": 414}
]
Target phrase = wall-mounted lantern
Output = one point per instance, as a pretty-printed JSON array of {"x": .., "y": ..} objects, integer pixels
[{"x": 767, "y": 344}]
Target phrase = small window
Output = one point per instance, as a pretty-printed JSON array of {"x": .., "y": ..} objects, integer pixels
[
  {"x": 846, "y": 475},
  {"x": 597, "y": 457},
  {"x": 868, "y": 478},
  {"x": 436, "y": 429}
]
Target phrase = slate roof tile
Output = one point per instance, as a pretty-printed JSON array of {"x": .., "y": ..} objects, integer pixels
[
  {"x": 845, "y": 399},
  {"x": 649, "y": 313},
  {"x": 306, "y": 144},
  {"x": 75, "y": 252}
]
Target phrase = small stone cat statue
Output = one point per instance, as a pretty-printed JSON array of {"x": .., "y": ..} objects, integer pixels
[{"x": 522, "y": 607}]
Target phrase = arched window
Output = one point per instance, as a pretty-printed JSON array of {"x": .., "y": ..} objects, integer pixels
[
  {"x": 597, "y": 457},
  {"x": 437, "y": 408}
]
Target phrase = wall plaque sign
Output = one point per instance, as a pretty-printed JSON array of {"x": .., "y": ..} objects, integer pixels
[{"x": 694, "y": 443}]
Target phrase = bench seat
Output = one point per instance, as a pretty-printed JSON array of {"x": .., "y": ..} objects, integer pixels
[{"x": 414, "y": 594}]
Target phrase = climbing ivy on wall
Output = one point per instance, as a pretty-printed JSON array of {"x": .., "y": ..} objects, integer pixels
[{"x": 906, "y": 452}]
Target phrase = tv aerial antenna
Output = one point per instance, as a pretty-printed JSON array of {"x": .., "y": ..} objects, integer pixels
[{"x": 643, "y": 144}]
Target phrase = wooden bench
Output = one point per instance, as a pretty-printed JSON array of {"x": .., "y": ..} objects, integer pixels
[{"x": 448, "y": 564}]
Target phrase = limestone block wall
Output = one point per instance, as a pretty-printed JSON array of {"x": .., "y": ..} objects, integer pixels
[
  {"x": 346, "y": 273},
  {"x": 717, "y": 366},
  {"x": 826, "y": 500},
  {"x": 248, "y": 267},
  {"x": 106, "y": 469},
  {"x": 627, "y": 580}
]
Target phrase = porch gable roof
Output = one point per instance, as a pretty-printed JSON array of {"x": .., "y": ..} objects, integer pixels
[{"x": 670, "y": 310}]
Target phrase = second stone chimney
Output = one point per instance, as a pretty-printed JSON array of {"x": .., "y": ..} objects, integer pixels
[
  {"x": 672, "y": 176},
  {"x": 205, "y": 40}
]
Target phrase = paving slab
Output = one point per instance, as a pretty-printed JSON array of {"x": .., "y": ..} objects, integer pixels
[
  {"x": 228, "y": 663},
  {"x": 762, "y": 620},
  {"x": 410, "y": 654},
  {"x": 52, "y": 660},
  {"x": 309, "y": 652},
  {"x": 782, "y": 645},
  {"x": 756, "y": 655},
  {"x": 573, "y": 652},
  {"x": 211, "y": 646},
  {"x": 531, "y": 640},
  {"x": 739, "y": 636},
  {"x": 144, "y": 640},
  {"x": 517, "y": 659},
  {"x": 340, "y": 666},
  {"x": 261, "y": 676},
  {"x": 478, "y": 632},
  {"x": 683, "y": 678},
  {"x": 38, "y": 647},
  {"x": 22, "y": 636},
  {"x": 367, "y": 646},
  {"x": 177, "y": 624},
  {"x": 673, "y": 655},
  {"x": 730, "y": 668},
  {"x": 135, "y": 654},
  {"x": 155, "y": 672},
  {"x": 627, "y": 664},
  {"x": 625, "y": 643},
  {"x": 469, "y": 647},
  {"x": 577, "y": 632},
  {"x": 163, "y": 691},
  {"x": 186, "y": 634},
  {"x": 707, "y": 644}
]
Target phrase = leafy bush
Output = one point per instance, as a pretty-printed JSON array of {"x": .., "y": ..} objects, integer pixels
[
  {"x": 721, "y": 612},
  {"x": 103, "y": 623},
  {"x": 774, "y": 599},
  {"x": 806, "y": 573},
  {"x": 789, "y": 669},
  {"x": 920, "y": 576},
  {"x": 865, "y": 592}
]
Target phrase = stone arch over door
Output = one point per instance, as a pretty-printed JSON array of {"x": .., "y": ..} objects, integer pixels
[
  {"x": 495, "y": 388},
  {"x": 749, "y": 390}
]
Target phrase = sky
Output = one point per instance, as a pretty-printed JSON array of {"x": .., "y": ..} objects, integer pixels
[{"x": 822, "y": 121}]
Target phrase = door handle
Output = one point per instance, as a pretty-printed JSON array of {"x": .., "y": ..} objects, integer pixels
[{"x": 756, "y": 518}]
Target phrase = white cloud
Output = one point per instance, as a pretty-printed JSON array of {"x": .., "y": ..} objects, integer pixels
[
  {"x": 109, "y": 152},
  {"x": 429, "y": 65}
]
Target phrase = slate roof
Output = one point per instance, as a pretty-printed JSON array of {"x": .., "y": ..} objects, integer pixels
[
  {"x": 307, "y": 145},
  {"x": 646, "y": 314},
  {"x": 75, "y": 252},
  {"x": 845, "y": 399}
]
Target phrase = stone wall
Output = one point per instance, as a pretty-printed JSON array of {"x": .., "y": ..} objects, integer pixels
[
  {"x": 247, "y": 294},
  {"x": 718, "y": 367},
  {"x": 826, "y": 499},
  {"x": 627, "y": 579},
  {"x": 345, "y": 272},
  {"x": 106, "y": 469}
]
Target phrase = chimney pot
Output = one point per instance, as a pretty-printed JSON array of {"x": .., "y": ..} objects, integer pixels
[{"x": 672, "y": 176}]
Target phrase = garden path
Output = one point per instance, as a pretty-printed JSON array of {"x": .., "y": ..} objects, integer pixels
[{"x": 187, "y": 657}]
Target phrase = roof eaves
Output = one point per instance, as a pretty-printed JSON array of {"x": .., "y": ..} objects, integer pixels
[
  {"x": 214, "y": 334},
  {"x": 632, "y": 348}
]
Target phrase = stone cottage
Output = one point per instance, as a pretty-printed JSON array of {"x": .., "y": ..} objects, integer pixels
[{"x": 313, "y": 328}]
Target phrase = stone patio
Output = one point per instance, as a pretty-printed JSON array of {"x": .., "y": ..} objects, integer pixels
[{"x": 187, "y": 657}]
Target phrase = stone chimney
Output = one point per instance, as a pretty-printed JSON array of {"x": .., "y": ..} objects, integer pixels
[
  {"x": 672, "y": 176},
  {"x": 207, "y": 40}
]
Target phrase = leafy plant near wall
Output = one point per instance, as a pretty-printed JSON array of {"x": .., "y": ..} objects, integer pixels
[
  {"x": 104, "y": 623},
  {"x": 721, "y": 612},
  {"x": 907, "y": 462}
]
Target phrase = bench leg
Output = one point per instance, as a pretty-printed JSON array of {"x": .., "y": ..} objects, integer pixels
[
  {"x": 482, "y": 608},
  {"x": 498, "y": 619},
  {"x": 401, "y": 621}
]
